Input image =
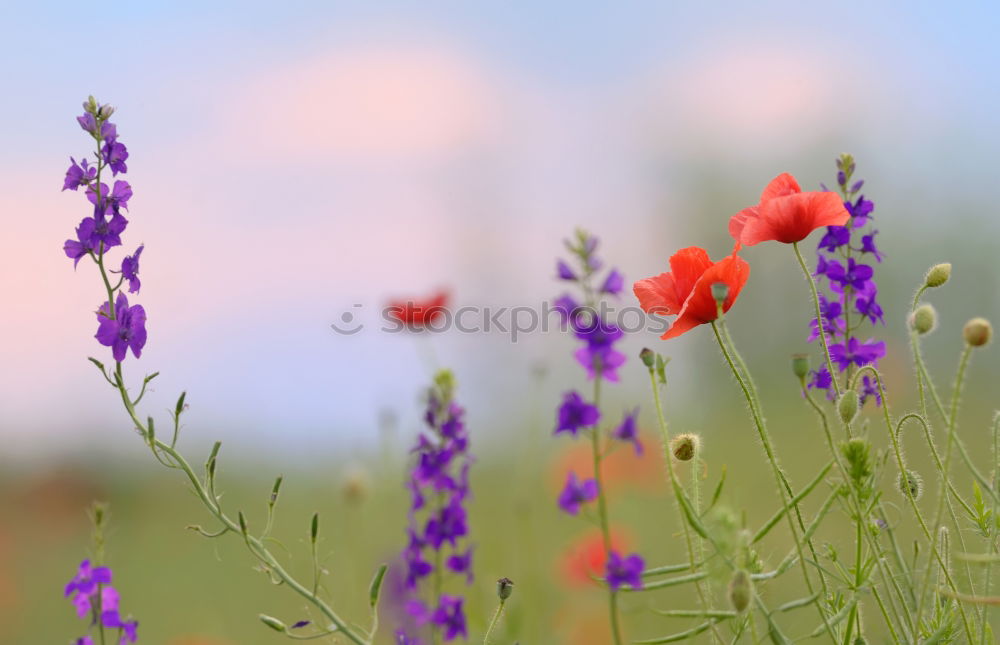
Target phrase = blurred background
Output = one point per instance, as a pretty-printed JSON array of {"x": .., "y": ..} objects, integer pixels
[{"x": 292, "y": 163}]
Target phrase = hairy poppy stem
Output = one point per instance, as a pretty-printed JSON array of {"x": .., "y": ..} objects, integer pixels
[
  {"x": 784, "y": 488},
  {"x": 819, "y": 316}
]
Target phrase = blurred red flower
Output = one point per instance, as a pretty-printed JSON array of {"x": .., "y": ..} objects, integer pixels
[
  {"x": 584, "y": 559},
  {"x": 686, "y": 290},
  {"x": 418, "y": 314},
  {"x": 786, "y": 214}
]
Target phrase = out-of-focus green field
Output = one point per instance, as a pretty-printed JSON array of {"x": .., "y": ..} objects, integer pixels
[{"x": 185, "y": 589}]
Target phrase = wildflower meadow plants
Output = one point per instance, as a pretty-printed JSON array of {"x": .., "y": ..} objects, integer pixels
[{"x": 915, "y": 565}]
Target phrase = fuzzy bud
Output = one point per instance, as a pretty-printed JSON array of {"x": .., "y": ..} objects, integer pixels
[
  {"x": 977, "y": 332},
  {"x": 720, "y": 291},
  {"x": 847, "y": 406},
  {"x": 505, "y": 587},
  {"x": 857, "y": 453},
  {"x": 90, "y": 105},
  {"x": 800, "y": 366},
  {"x": 685, "y": 446},
  {"x": 924, "y": 319},
  {"x": 911, "y": 484},
  {"x": 740, "y": 590},
  {"x": 648, "y": 357},
  {"x": 105, "y": 112},
  {"x": 273, "y": 623},
  {"x": 938, "y": 274}
]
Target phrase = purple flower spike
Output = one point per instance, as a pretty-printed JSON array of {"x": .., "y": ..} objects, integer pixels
[
  {"x": 577, "y": 493},
  {"x": 575, "y": 413},
  {"x": 79, "y": 174},
  {"x": 127, "y": 330},
  {"x": 624, "y": 571},
  {"x": 629, "y": 430}
]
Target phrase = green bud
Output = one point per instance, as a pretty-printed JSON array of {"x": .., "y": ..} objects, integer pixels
[
  {"x": 857, "y": 453},
  {"x": 243, "y": 522},
  {"x": 376, "y": 585},
  {"x": 275, "y": 489},
  {"x": 740, "y": 590},
  {"x": 911, "y": 484},
  {"x": 90, "y": 105},
  {"x": 314, "y": 529},
  {"x": 937, "y": 275},
  {"x": 505, "y": 587},
  {"x": 847, "y": 406},
  {"x": 648, "y": 357},
  {"x": 924, "y": 319},
  {"x": 685, "y": 446},
  {"x": 273, "y": 623},
  {"x": 180, "y": 404},
  {"x": 800, "y": 366},
  {"x": 720, "y": 291},
  {"x": 977, "y": 332}
]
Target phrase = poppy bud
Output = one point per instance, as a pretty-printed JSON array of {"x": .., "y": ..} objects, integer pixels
[
  {"x": 911, "y": 484},
  {"x": 857, "y": 453},
  {"x": 505, "y": 587},
  {"x": 740, "y": 590},
  {"x": 273, "y": 623},
  {"x": 977, "y": 332},
  {"x": 938, "y": 274},
  {"x": 685, "y": 446},
  {"x": 720, "y": 291},
  {"x": 800, "y": 366},
  {"x": 648, "y": 357},
  {"x": 847, "y": 406},
  {"x": 924, "y": 319}
]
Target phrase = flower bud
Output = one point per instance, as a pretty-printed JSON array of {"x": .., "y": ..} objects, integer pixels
[
  {"x": 505, "y": 587},
  {"x": 90, "y": 105},
  {"x": 977, "y": 332},
  {"x": 911, "y": 484},
  {"x": 273, "y": 623},
  {"x": 685, "y": 446},
  {"x": 720, "y": 291},
  {"x": 924, "y": 319},
  {"x": 800, "y": 366},
  {"x": 740, "y": 590},
  {"x": 857, "y": 453},
  {"x": 847, "y": 406},
  {"x": 648, "y": 357},
  {"x": 938, "y": 274},
  {"x": 314, "y": 528},
  {"x": 105, "y": 112}
]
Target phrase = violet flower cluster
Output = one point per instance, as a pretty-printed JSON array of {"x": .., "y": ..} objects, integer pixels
[
  {"x": 438, "y": 526},
  {"x": 120, "y": 326},
  {"x": 601, "y": 360},
  {"x": 845, "y": 254},
  {"x": 92, "y": 594}
]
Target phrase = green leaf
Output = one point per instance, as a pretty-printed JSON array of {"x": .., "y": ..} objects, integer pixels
[{"x": 376, "y": 586}]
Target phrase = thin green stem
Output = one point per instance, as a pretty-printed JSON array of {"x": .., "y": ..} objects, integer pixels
[
  {"x": 819, "y": 315},
  {"x": 493, "y": 623}
]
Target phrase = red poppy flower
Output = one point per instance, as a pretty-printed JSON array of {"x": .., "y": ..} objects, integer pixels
[
  {"x": 786, "y": 214},
  {"x": 584, "y": 559},
  {"x": 419, "y": 313},
  {"x": 686, "y": 290}
]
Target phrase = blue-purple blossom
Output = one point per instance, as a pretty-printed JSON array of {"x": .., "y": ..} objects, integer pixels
[
  {"x": 856, "y": 352},
  {"x": 114, "y": 199},
  {"x": 621, "y": 571},
  {"x": 575, "y": 413},
  {"x": 79, "y": 174},
  {"x": 629, "y": 430},
  {"x": 450, "y": 617},
  {"x": 835, "y": 237},
  {"x": 577, "y": 493},
  {"x": 85, "y": 585},
  {"x": 461, "y": 563},
  {"x": 614, "y": 283},
  {"x": 127, "y": 330},
  {"x": 92, "y": 594},
  {"x": 115, "y": 154},
  {"x": 130, "y": 270},
  {"x": 564, "y": 271},
  {"x": 598, "y": 355},
  {"x": 84, "y": 242}
]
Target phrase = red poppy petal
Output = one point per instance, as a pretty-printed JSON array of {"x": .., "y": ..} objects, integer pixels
[
  {"x": 656, "y": 295},
  {"x": 782, "y": 185},
  {"x": 686, "y": 266},
  {"x": 738, "y": 221},
  {"x": 683, "y": 324},
  {"x": 827, "y": 209},
  {"x": 734, "y": 272}
]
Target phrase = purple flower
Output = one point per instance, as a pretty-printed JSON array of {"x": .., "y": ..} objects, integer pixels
[
  {"x": 856, "y": 275},
  {"x": 115, "y": 154},
  {"x": 111, "y": 618},
  {"x": 126, "y": 330},
  {"x": 629, "y": 430},
  {"x": 88, "y": 123},
  {"x": 84, "y": 586},
  {"x": 868, "y": 245},
  {"x": 869, "y": 388},
  {"x": 614, "y": 283},
  {"x": 564, "y": 271},
  {"x": 864, "y": 302},
  {"x": 856, "y": 352},
  {"x": 462, "y": 563},
  {"x": 450, "y": 617},
  {"x": 130, "y": 270},
  {"x": 416, "y": 567},
  {"x": 447, "y": 525},
  {"x": 84, "y": 640},
  {"x": 576, "y": 493},
  {"x": 860, "y": 211},
  {"x": 624, "y": 571},
  {"x": 599, "y": 356},
  {"x": 84, "y": 242},
  {"x": 567, "y": 308},
  {"x": 835, "y": 237},
  {"x": 833, "y": 322},
  {"x": 79, "y": 174},
  {"x": 575, "y": 413},
  {"x": 114, "y": 200},
  {"x": 403, "y": 639}
]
